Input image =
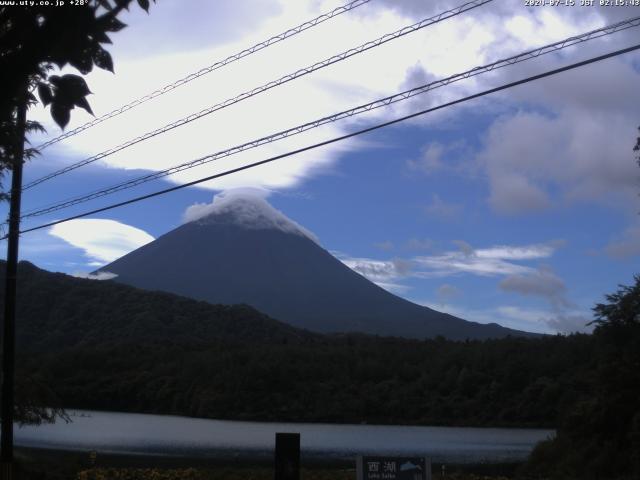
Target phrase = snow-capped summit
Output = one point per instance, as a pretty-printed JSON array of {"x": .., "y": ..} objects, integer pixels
[{"x": 244, "y": 208}]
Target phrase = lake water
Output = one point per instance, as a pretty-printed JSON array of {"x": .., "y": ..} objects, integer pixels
[{"x": 136, "y": 434}]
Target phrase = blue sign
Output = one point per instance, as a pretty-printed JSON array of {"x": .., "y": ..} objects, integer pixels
[{"x": 393, "y": 468}]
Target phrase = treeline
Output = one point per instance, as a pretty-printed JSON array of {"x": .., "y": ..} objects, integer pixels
[
  {"x": 599, "y": 436},
  {"x": 510, "y": 382}
]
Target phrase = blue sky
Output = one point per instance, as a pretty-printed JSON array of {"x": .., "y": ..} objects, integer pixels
[{"x": 519, "y": 208}]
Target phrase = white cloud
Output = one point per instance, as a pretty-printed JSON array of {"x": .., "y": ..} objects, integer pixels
[
  {"x": 247, "y": 208},
  {"x": 386, "y": 274},
  {"x": 496, "y": 261},
  {"x": 569, "y": 322},
  {"x": 526, "y": 252},
  {"x": 487, "y": 262},
  {"x": 536, "y": 161},
  {"x": 199, "y": 25},
  {"x": 543, "y": 283},
  {"x": 471, "y": 39},
  {"x": 101, "y": 240},
  {"x": 523, "y": 314},
  {"x": 324, "y": 92},
  {"x": 563, "y": 323},
  {"x": 378, "y": 271},
  {"x": 513, "y": 194},
  {"x": 95, "y": 276},
  {"x": 492, "y": 261},
  {"x": 519, "y": 318},
  {"x": 453, "y": 263},
  {"x": 491, "y": 315},
  {"x": 563, "y": 316},
  {"x": 528, "y": 156},
  {"x": 395, "y": 288}
]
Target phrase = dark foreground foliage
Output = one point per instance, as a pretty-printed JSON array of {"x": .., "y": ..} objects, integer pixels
[
  {"x": 350, "y": 379},
  {"x": 599, "y": 437},
  {"x": 35, "y": 37}
]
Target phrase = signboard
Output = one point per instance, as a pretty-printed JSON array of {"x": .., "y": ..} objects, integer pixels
[{"x": 393, "y": 468}]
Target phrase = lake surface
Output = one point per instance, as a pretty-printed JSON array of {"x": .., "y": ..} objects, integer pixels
[{"x": 137, "y": 434}]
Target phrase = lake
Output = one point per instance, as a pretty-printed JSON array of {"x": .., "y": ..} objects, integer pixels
[{"x": 150, "y": 435}]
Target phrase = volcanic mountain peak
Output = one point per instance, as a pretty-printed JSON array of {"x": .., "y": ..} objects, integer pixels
[
  {"x": 239, "y": 249},
  {"x": 245, "y": 209}
]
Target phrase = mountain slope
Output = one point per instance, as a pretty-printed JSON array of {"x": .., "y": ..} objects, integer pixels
[
  {"x": 244, "y": 251},
  {"x": 56, "y": 311}
]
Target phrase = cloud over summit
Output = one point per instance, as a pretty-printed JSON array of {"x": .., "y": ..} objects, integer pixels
[{"x": 247, "y": 208}]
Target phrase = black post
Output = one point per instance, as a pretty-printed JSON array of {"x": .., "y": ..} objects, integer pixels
[
  {"x": 287, "y": 465},
  {"x": 9, "y": 334}
]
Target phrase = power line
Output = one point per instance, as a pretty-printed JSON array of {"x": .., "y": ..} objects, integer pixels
[
  {"x": 204, "y": 71},
  {"x": 268, "y": 86},
  {"x": 343, "y": 137},
  {"x": 344, "y": 114},
  {"x": 521, "y": 57}
]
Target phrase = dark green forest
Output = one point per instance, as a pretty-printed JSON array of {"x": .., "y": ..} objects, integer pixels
[
  {"x": 101, "y": 345},
  {"x": 347, "y": 379}
]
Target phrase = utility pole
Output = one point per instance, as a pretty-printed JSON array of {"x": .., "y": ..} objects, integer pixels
[{"x": 9, "y": 332}]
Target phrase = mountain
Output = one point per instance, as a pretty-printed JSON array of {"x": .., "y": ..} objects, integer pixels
[
  {"x": 240, "y": 250},
  {"x": 57, "y": 311}
]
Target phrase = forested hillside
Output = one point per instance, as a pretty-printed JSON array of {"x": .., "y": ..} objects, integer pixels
[
  {"x": 57, "y": 311},
  {"x": 103, "y": 345},
  {"x": 510, "y": 382}
]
